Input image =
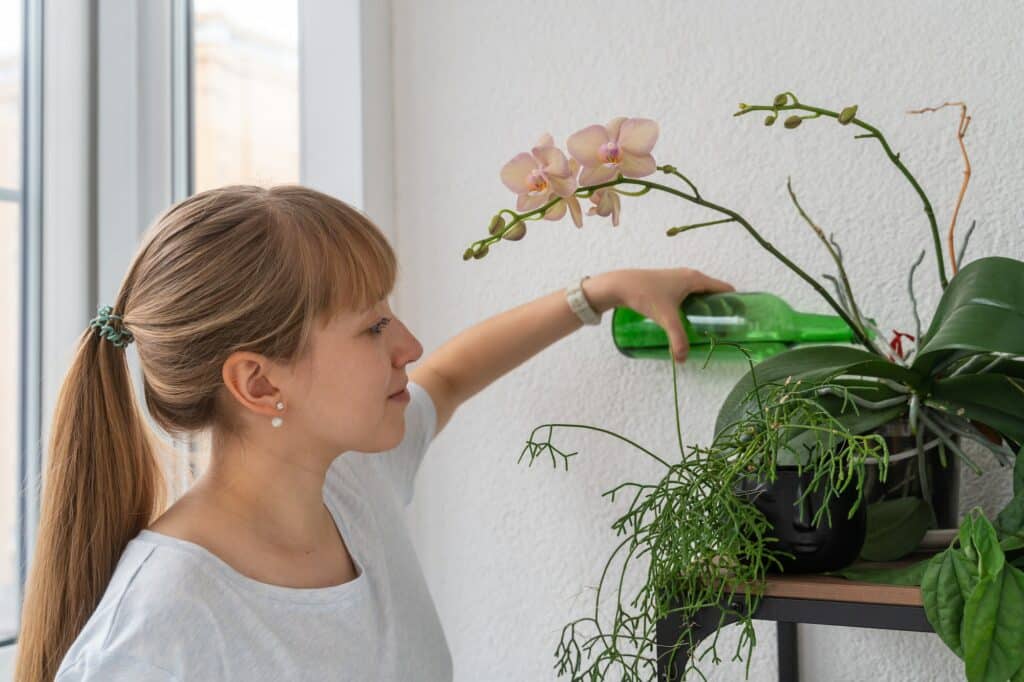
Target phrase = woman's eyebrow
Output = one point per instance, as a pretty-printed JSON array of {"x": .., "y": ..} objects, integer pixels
[{"x": 371, "y": 315}]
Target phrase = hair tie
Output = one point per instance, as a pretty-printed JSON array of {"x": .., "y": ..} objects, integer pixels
[{"x": 115, "y": 333}]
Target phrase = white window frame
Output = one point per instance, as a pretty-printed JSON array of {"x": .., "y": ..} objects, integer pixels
[{"x": 346, "y": 127}]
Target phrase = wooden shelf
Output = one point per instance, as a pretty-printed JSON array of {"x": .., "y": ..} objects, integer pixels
[
  {"x": 829, "y": 588},
  {"x": 808, "y": 598}
]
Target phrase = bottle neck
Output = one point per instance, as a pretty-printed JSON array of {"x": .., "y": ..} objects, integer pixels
[{"x": 811, "y": 327}]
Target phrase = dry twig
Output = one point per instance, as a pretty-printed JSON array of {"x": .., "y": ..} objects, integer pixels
[{"x": 965, "y": 120}]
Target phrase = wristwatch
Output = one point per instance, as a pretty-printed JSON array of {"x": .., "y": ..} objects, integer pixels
[{"x": 579, "y": 303}]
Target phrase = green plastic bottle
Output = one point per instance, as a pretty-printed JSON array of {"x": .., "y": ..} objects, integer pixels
[{"x": 760, "y": 322}]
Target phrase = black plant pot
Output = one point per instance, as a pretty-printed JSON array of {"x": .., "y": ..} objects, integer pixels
[
  {"x": 827, "y": 547},
  {"x": 903, "y": 478}
]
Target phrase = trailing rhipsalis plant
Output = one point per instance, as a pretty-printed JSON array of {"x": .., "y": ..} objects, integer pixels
[{"x": 702, "y": 541}]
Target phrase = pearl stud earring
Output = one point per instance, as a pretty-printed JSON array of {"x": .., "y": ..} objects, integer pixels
[{"x": 277, "y": 421}]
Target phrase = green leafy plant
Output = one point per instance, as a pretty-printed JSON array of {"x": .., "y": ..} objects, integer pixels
[
  {"x": 962, "y": 381},
  {"x": 973, "y": 591}
]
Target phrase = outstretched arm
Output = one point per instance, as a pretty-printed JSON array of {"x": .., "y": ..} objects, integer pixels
[{"x": 476, "y": 357}]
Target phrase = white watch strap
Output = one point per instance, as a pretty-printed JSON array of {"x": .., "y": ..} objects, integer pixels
[{"x": 579, "y": 303}]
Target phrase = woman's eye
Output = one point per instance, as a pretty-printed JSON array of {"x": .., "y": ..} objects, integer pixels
[{"x": 379, "y": 327}]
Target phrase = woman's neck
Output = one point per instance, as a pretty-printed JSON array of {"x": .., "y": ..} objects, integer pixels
[{"x": 280, "y": 500}]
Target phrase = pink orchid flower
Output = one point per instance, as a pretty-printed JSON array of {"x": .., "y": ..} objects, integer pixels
[
  {"x": 557, "y": 212},
  {"x": 623, "y": 146},
  {"x": 534, "y": 177},
  {"x": 542, "y": 175},
  {"x": 607, "y": 200}
]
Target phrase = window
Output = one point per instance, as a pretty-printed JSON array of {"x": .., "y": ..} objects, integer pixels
[
  {"x": 11, "y": 27},
  {"x": 246, "y": 95}
]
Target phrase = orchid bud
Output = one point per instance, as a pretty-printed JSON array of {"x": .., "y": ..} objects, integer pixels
[
  {"x": 780, "y": 100},
  {"x": 497, "y": 225},
  {"x": 743, "y": 105},
  {"x": 516, "y": 233},
  {"x": 847, "y": 114},
  {"x": 481, "y": 251},
  {"x": 792, "y": 122},
  {"x": 768, "y": 120},
  {"x": 467, "y": 254}
]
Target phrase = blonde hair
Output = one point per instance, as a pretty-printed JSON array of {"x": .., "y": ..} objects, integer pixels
[{"x": 229, "y": 269}]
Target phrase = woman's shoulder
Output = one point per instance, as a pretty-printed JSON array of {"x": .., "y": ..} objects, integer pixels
[
  {"x": 153, "y": 598},
  {"x": 158, "y": 570},
  {"x": 152, "y": 577}
]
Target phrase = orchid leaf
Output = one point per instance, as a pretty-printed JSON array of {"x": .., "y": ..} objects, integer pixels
[
  {"x": 807, "y": 364},
  {"x": 991, "y": 399},
  {"x": 981, "y": 311}
]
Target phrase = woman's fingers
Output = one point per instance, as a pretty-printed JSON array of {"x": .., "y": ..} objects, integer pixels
[
  {"x": 704, "y": 284},
  {"x": 679, "y": 343}
]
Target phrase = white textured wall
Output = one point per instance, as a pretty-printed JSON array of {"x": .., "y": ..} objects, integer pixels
[{"x": 509, "y": 550}]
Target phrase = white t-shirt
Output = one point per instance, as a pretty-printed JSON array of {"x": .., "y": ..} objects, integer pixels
[{"x": 175, "y": 611}]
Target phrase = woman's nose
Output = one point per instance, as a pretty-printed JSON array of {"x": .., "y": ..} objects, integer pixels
[{"x": 409, "y": 348}]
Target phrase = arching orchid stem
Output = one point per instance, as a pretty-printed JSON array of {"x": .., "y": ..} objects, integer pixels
[
  {"x": 894, "y": 157},
  {"x": 671, "y": 170},
  {"x": 539, "y": 212},
  {"x": 634, "y": 194},
  {"x": 679, "y": 229}
]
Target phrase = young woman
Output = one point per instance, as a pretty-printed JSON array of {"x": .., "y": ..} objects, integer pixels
[{"x": 261, "y": 317}]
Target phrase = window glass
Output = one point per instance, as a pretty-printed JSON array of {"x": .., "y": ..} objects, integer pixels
[
  {"x": 10, "y": 299},
  {"x": 10, "y": 93},
  {"x": 245, "y": 76}
]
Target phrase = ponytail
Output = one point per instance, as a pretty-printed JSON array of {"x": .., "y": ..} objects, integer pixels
[{"x": 102, "y": 485}]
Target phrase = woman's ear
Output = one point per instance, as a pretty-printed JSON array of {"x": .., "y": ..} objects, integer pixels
[{"x": 248, "y": 377}]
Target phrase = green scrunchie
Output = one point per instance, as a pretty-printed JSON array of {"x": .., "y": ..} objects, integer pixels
[{"x": 119, "y": 336}]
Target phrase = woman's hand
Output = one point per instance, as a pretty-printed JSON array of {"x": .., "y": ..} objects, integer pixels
[{"x": 658, "y": 293}]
